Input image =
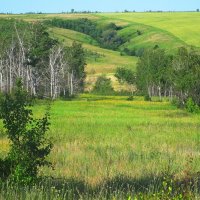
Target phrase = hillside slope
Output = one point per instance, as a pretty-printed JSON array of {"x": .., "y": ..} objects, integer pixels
[
  {"x": 183, "y": 25},
  {"x": 99, "y": 60}
]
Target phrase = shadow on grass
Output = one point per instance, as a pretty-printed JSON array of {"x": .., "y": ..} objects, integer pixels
[{"x": 120, "y": 186}]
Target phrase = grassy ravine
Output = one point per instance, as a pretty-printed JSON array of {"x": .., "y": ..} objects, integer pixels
[{"x": 110, "y": 147}]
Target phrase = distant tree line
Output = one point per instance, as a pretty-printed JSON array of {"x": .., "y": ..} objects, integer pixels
[
  {"x": 106, "y": 36},
  {"x": 164, "y": 75},
  {"x": 45, "y": 66}
]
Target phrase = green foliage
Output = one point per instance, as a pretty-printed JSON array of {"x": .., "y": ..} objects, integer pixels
[
  {"x": 26, "y": 46},
  {"x": 5, "y": 168},
  {"x": 169, "y": 190},
  {"x": 147, "y": 97},
  {"x": 191, "y": 106},
  {"x": 103, "y": 86},
  {"x": 130, "y": 52},
  {"x": 153, "y": 71},
  {"x": 75, "y": 57},
  {"x": 186, "y": 76},
  {"x": 7, "y": 28},
  {"x": 111, "y": 26},
  {"x": 41, "y": 44},
  {"x": 110, "y": 39},
  {"x": 82, "y": 25},
  {"x": 175, "y": 101},
  {"x": 139, "y": 32},
  {"x": 178, "y": 76},
  {"x": 29, "y": 147},
  {"x": 125, "y": 75}
]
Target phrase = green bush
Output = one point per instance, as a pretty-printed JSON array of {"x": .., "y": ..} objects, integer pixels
[
  {"x": 103, "y": 86},
  {"x": 29, "y": 147},
  {"x": 191, "y": 106},
  {"x": 147, "y": 97}
]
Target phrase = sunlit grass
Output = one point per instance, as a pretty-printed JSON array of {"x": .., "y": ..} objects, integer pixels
[
  {"x": 96, "y": 138},
  {"x": 105, "y": 145},
  {"x": 183, "y": 25}
]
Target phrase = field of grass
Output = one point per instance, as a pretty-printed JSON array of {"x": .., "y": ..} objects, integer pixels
[
  {"x": 149, "y": 37},
  {"x": 97, "y": 139}
]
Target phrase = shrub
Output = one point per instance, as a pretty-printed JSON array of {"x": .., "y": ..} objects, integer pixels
[
  {"x": 103, "y": 86},
  {"x": 191, "y": 106},
  {"x": 29, "y": 147},
  {"x": 147, "y": 97}
]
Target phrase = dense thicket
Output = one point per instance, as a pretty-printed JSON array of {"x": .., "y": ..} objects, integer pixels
[
  {"x": 45, "y": 67},
  {"x": 159, "y": 74},
  {"x": 106, "y": 36}
]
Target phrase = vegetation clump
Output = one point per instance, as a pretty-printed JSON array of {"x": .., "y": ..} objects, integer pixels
[
  {"x": 103, "y": 86},
  {"x": 29, "y": 147},
  {"x": 191, "y": 106}
]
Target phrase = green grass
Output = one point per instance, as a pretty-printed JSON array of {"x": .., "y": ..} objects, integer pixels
[
  {"x": 151, "y": 35},
  {"x": 108, "y": 59},
  {"x": 102, "y": 140},
  {"x": 96, "y": 138},
  {"x": 183, "y": 25}
]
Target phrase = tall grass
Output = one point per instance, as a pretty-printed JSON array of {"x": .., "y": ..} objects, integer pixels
[{"x": 99, "y": 141}]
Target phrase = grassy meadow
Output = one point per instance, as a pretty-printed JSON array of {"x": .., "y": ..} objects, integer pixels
[
  {"x": 100, "y": 139},
  {"x": 106, "y": 146}
]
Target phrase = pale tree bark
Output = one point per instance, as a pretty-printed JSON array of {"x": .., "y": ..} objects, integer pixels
[{"x": 56, "y": 66}]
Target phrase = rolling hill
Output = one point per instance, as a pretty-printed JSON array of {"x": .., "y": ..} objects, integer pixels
[{"x": 168, "y": 30}]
